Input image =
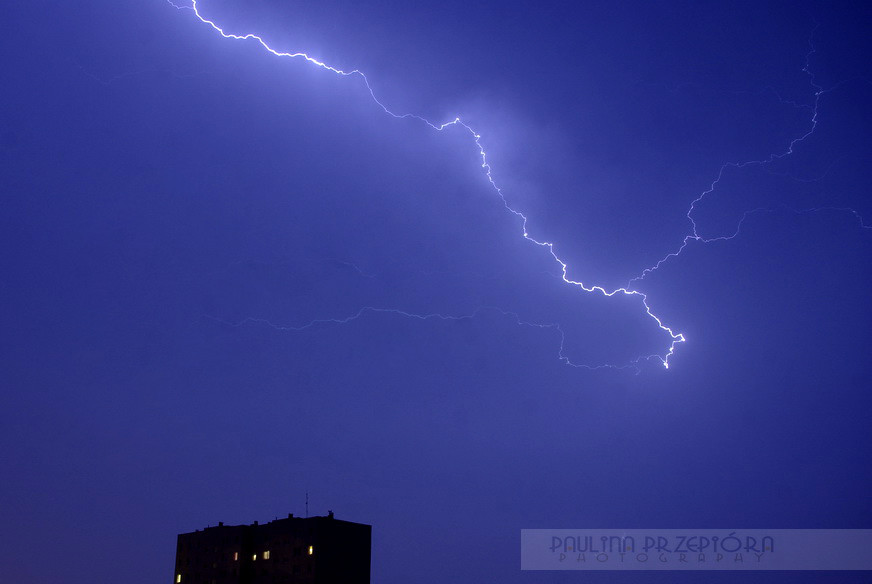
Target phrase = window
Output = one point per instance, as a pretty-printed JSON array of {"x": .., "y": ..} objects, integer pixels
[
  {"x": 254, "y": 558},
  {"x": 266, "y": 555},
  {"x": 178, "y": 578},
  {"x": 311, "y": 550},
  {"x": 235, "y": 556}
]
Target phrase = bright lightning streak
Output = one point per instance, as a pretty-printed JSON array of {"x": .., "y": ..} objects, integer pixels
[
  {"x": 675, "y": 338},
  {"x": 693, "y": 236},
  {"x": 628, "y": 290}
]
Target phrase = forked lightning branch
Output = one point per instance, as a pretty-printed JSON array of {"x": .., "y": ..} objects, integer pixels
[{"x": 673, "y": 338}]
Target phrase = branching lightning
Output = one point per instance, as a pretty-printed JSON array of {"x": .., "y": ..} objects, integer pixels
[
  {"x": 694, "y": 235},
  {"x": 515, "y": 317},
  {"x": 675, "y": 338}
]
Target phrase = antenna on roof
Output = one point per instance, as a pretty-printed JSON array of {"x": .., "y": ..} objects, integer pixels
[{"x": 307, "y": 504}]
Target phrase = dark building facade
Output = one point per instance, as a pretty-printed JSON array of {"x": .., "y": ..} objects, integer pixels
[{"x": 312, "y": 550}]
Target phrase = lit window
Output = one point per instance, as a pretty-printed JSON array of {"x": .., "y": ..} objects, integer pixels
[
  {"x": 235, "y": 556},
  {"x": 178, "y": 578},
  {"x": 254, "y": 558},
  {"x": 266, "y": 555},
  {"x": 311, "y": 550}
]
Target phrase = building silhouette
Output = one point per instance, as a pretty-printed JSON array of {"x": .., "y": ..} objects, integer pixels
[{"x": 312, "y": 550}]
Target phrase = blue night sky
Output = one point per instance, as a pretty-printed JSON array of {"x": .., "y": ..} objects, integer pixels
[{"x": 229, "y": 279}]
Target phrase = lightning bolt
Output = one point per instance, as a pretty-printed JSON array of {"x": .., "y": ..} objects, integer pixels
[
  {"x": 675, "y": 338},
  {"x": 513, "y": 316},
  {"x": 694, "y": 235}
]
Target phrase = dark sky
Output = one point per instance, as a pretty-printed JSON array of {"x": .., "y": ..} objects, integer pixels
[{"x": 183, "y": 215}]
